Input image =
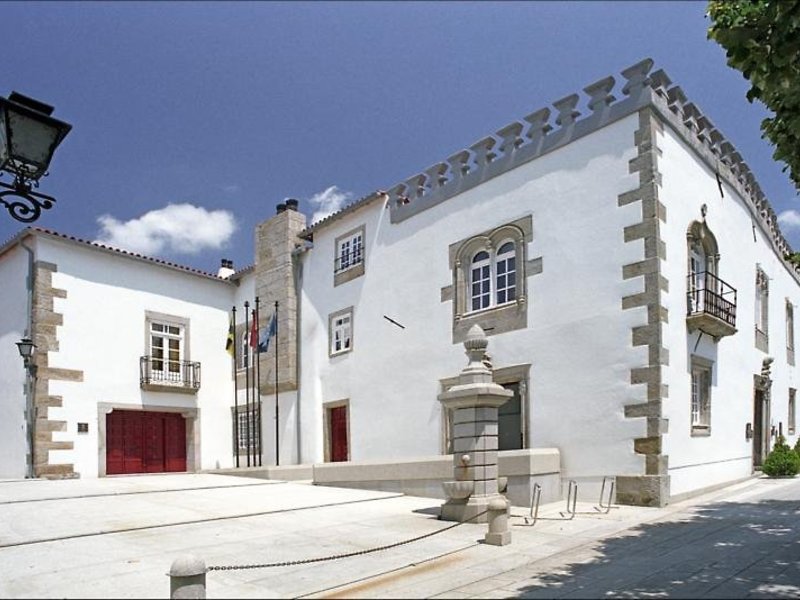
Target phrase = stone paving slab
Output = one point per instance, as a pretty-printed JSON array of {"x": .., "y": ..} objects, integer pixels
[{"x": 739, "y": 542}]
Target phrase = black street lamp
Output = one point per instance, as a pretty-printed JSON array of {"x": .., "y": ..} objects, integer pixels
[
  {"x": 26, "y": 346},
  {"x": 28, "y": 138}
]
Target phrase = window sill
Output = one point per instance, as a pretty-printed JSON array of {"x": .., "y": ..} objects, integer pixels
[
  {"x": 339, "y": 353},
  {"x": 510, "y": 316},
  {"x": 175, "y": 388},
  {"x": 701, "y": 431}
]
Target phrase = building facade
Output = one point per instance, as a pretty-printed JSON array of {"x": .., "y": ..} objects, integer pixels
[{"x": 620, "y": 256}]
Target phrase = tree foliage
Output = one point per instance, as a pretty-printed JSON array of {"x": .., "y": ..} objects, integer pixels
[
  {"x": 762, "y": 40},
  {"x": 783, "y": 461}
]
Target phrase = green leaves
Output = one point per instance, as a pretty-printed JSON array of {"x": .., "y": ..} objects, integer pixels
[{"x": 761, "y": 39}]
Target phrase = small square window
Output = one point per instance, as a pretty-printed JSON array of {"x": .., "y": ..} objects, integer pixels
[
  {"x": 83, "y": 428},
  {"x": 348, "y": 262}
]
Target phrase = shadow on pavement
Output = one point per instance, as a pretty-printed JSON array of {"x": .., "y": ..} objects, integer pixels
[{"x": 723, "y": 550}]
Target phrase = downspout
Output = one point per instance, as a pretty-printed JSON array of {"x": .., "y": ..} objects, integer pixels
[
  {"x": 30, "y": 373},
  {"x": 297, "y": 273}
]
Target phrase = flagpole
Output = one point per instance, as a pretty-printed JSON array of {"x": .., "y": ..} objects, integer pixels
[
  {"x": 247, "y": 378},
  {"x": 277, "y": 408},
  {"x": 235, "y": 393},
  {"x": 258, "y": 380}
]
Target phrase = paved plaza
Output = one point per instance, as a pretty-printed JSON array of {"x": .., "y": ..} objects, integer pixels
[{"x": 117, "y": 537}]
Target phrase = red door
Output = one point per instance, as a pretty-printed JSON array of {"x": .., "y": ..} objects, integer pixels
[
  {"x": 145, "y": 442},
  {"x": 338, "y": 434}
]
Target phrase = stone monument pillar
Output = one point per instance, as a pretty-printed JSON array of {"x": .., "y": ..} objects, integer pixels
[{"x": 474, "y": 401}]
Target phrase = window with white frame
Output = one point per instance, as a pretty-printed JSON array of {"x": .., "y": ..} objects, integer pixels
[
  {"x": 166, "y": 351},
  {"x": 341, "y": 332},
  {"x": 791, "y": 413},
  {"x": 247, "y": 428},
  {"x": 493, "y": 277},
  {"x": 762, "y": 310},
  {"x": 701, "y": 396},
  {"x": 245, "y": 357},
  {"x": 349, "y": 251},
  {"x": 789, "y": 332}
]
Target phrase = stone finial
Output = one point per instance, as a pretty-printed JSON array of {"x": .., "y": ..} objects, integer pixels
[
  {"x": 599, "y": 93},
  {"x": 637, "y": 77},
  {"x": 510, "y": 136},
  {"x": 436, "y": 177},
  {"x": 397, "y": 194},
  {"x": 660, "y": 82},
  {"x": 415, "y": 186},
  {"x": 459, "y": 164},
  {"x": 727, "y": 151},
  {"x": 482, "y": 149},
  {"x": 538, "y": 124},
  {"x": 691, "y": 115},
  {"x": 675, "y": 100},
  {"x": 475, "y": 344},
  {"x": 717, "y": 139},
  {"x": 566, "y": 110},
  {"x": 704, "y": 127}
]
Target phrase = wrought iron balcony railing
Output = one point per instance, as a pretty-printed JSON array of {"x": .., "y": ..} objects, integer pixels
[
  {"x": 708, "y": 295},
  {"x": 162, "y": 373},
  {"x": 348, "y": 260}
]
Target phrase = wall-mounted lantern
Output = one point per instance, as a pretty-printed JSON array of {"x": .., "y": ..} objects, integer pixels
[{"x": 29, "y": 136}]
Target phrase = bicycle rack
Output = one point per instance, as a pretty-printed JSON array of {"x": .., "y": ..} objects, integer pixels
[
  {"x": 572, "y": 495},
  {"x": 536, "y": 498},
  {"x": 606, "y": 508}
]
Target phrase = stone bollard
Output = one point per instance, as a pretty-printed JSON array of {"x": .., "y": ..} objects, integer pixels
[
  {"x": 187, "y": 578},
  {"x": 498, "y": 534}
]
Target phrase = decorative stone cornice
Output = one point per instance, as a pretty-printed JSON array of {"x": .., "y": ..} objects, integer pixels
[{"x": 522, "y": 141}]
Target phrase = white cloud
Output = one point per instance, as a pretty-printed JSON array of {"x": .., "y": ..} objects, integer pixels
[
  {"x": 328, "y": 202},
  {"x": 176, "y": 228},
  {"x": 790, "y": 219}
]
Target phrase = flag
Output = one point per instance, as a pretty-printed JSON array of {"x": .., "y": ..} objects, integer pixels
[
  {"x": 229, "y": 344},
  {"x": 267, "y": 333},
  {"x": 253, "y": 330}
]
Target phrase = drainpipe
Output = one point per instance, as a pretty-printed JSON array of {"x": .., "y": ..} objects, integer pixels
[
  {"x": 30, "y": 372},
  {"x": 297, "y": 272}
]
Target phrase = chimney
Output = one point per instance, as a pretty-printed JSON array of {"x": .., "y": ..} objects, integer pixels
[
  {"x": 291, "y": 204},
  {"x": 280, "y": 208},
  {"x": 225, "y": 269}
]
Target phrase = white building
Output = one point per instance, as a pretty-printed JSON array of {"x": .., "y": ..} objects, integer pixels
[{"x": 622, "y": 260}]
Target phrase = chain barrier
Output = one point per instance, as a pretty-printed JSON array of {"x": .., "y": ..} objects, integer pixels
[{"x": 305, "y": 561}]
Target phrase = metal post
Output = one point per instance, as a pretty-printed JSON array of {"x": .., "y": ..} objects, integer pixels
[
  {"x": 257, "y": 407},
  {"x": 235, "y": 392},
  {"x": 277, "y": 408},
  {"x": 187, "y": 578},
  {"x": 247, "y": 378}
]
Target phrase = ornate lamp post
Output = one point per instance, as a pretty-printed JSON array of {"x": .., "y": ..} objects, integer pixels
[
  {"x": 28, "y": 139},
  {"x": 26, "y": 348}
]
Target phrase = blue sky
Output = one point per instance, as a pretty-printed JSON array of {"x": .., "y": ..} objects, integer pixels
[{"x": 223, "y": 110}]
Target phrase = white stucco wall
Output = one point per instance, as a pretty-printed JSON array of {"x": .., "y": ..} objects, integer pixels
[
  {"x": 697, "y": 462},
  {"x": 13, "y": 326},
  {"x": 578, "y": 340},
  {"x": 104, "y": 334}
]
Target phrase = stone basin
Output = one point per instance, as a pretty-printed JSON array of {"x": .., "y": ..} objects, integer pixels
[{"x": 458, "y": 490}]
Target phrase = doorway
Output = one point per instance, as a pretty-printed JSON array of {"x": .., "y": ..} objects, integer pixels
[
  {"x": 337, "y": 442},
  {"x": 145, "y": 442}
]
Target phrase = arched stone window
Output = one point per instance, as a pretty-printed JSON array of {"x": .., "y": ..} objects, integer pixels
[{"x": 489, "y": 284}]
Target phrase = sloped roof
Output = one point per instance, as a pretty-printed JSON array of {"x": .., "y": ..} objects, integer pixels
[{"x": 40, "y": 231}]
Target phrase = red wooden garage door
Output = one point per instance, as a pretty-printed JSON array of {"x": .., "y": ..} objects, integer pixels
[{"x": 145, "y": 442}]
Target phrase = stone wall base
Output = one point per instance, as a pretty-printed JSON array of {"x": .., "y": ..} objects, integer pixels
[{"x": 643, "y": 490}]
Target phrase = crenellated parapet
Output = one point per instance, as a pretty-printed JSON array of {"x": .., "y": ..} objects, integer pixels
[{"x": 570, "y": 118}]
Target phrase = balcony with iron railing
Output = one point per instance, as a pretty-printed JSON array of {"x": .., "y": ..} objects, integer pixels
[
  {"x": 711, "y": 305},
  {"x": 158, "y": 374}
]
